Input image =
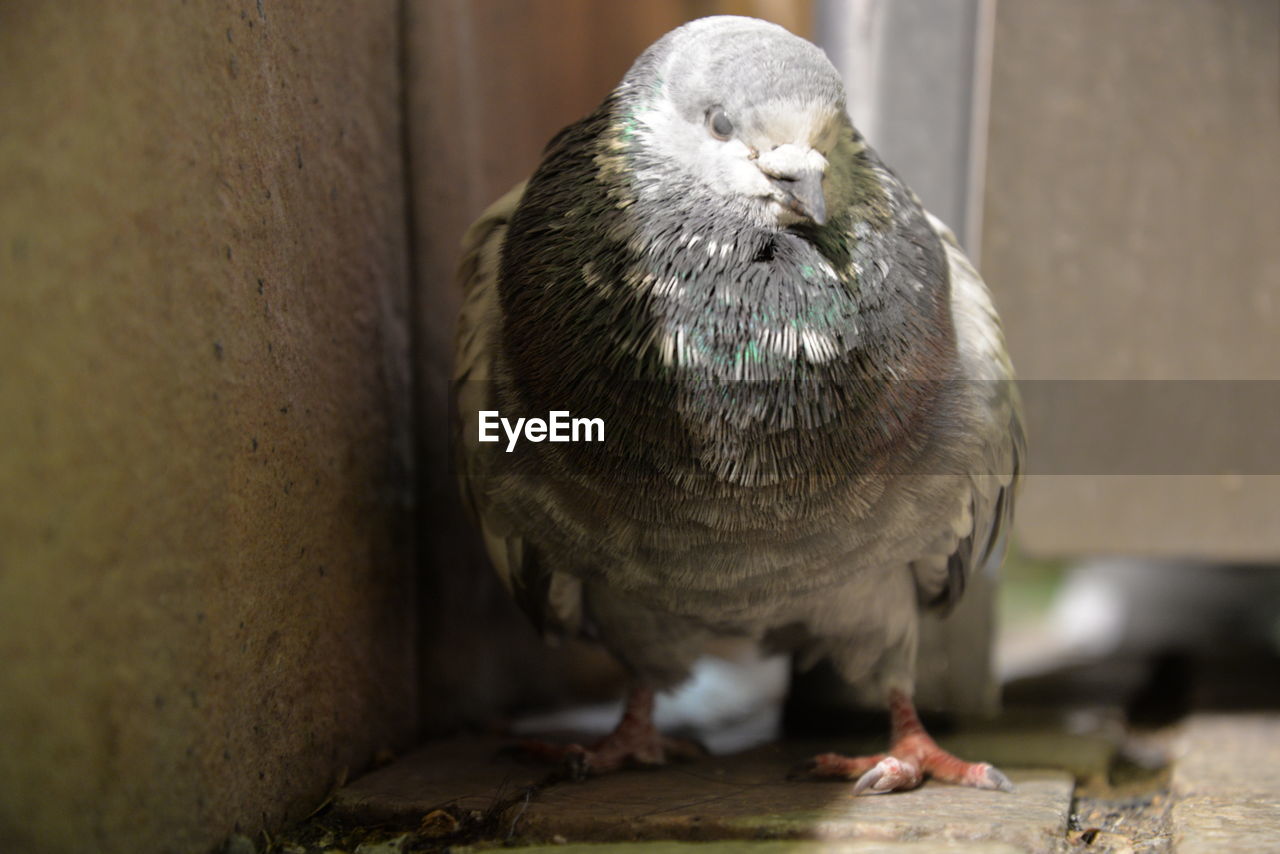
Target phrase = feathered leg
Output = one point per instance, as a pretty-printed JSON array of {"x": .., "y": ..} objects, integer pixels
[{"x": 913, "y": 755}]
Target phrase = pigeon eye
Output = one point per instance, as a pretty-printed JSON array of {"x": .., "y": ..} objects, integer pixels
[{"x": 719, "y": 124}]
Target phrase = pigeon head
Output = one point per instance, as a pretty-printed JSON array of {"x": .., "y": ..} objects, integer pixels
[{"x": 742, "y": 108}]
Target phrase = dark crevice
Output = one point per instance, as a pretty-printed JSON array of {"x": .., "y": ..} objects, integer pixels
[{"x": 414, "y": 309}]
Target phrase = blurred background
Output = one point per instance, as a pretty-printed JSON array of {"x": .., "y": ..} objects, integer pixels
[{"x": 233, "y": 564}]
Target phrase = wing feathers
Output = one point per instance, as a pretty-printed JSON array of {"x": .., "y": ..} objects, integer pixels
[
  {"x": 552, "y": 599},
  {"x": 995, "y": 474}
]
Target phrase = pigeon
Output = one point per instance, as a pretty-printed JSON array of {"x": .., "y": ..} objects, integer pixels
[{"x": 803, "y": 426}]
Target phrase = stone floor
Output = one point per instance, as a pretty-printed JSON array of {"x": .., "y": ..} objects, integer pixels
[
  {"x": 719, "y": 798},
  {"x": 1201, "y": 779},
  {"x": 1099, "y": 792},
  {"x": 1227, "y": 785}
]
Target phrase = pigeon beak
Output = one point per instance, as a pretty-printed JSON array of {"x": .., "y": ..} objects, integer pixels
[
  {"x": 802, "y": 194},
  {"x": 796, "y": 171}
]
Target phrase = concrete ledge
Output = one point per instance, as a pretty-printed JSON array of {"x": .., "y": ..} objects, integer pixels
[{"x": 720, "y": 798}]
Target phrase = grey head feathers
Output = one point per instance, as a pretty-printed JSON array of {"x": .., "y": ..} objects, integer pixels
[
  {"x": 743, "y": 107},
  {"x": 742, "y": 64}
]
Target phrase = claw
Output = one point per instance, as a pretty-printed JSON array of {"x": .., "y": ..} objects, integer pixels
[
  {"x": 868, "y": 781},
  {"x": 889, "y": 775},
  {"x": 990, "y": 777}
]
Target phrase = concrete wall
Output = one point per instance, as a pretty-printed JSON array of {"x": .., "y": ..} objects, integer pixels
[
  {"x": 1132, "y": 212},
  {"x": 204, "y": 433}
]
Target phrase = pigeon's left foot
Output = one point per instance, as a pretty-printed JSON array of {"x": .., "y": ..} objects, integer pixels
[
  {"x": 635, "y": 741},
  {"x": 913, "y": 755}
]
